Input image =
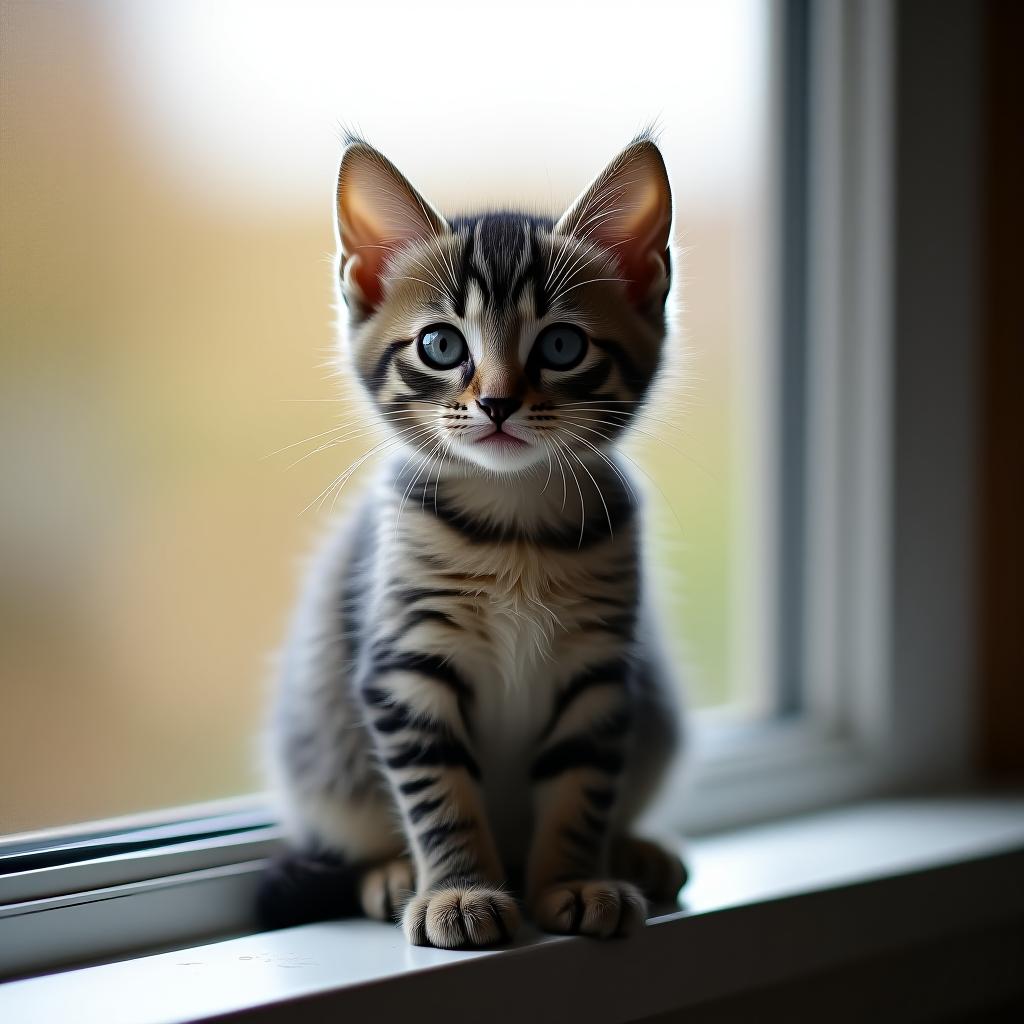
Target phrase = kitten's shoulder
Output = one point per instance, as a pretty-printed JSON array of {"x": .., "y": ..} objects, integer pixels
[{"x": 344, "y": 551}]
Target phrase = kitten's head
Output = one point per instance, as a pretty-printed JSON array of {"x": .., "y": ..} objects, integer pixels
[{"x": 504, "y": 339}]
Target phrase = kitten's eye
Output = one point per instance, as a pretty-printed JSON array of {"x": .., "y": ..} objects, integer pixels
[
  {"x": 561, "y": 346},
  {"x": 442, "y": 346}
]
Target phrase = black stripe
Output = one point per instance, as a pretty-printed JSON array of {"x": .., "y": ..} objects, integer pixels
[
  {"x": 515, "y": 288},
  {"x": 602, "y": 799},
  {"x": 422, "y": 615},
  {"x": 615, "y": 579},
  {"x": 448, "y": 753},
  {"x": 376, "y": 697},
  {"x": 628, "y": 370},
  {"x": 400, "y": 717},
  {"x": 418, "y": 812},
  {"x": 608, "y": 673},
  {"x": 409, "y": 595},
  {"x": 419, "y": 384},
  {"x": 430, "y": 839},
  {"x": 557, "y": 538},
  {"x": 533, "y": 271},
  {"x": 468, "y": 271},
  {"x": 616, "y": 726},
  {"x": 583, "y": 385},
  {"x": 460, "y": 852},
  {"x": 497, "y": 244},
  {"x": 397, "y": 714},
  {"x": 374, "y": 380},
  {"x": 414, "y": 786},
  {"x": 476, "y": 274},
  {"x": 576, "y": 752},
  {"x": 430, "y": 665},
  {"x": 622, "y": 625}
]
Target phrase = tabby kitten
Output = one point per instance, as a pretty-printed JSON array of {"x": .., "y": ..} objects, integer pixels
[{"x": 473, "y": 702}]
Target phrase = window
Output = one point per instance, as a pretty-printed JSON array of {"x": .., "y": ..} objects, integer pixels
[
  {"x": 165, "y": 300},
  {"x": 168, "y": 179}
]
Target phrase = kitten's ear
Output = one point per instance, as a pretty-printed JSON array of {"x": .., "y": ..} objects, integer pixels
[
  {"x": 628, "y": 209},
  {"x": 378, "y": 212}
]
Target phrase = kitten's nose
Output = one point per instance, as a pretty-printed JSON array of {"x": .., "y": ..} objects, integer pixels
[{"x": 499, "y": 409}]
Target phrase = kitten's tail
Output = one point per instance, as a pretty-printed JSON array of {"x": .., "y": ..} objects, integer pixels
[{"x": 301, "y": 889}]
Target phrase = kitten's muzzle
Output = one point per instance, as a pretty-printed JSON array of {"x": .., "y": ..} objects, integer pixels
[{"x": 499, "y": 409}]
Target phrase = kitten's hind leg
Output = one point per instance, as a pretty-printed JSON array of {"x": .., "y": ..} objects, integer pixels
[
  {"x": 657, "y": 872},
  {"x": 384, "y": 890}
]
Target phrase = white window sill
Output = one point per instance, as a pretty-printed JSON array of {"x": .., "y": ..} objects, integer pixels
[{"x": 766, "y": 905}]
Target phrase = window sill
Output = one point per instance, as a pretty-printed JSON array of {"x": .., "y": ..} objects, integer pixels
[{"x": 766, "y": 905}]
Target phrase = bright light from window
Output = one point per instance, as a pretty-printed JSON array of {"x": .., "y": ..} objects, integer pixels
[{"x": 167, "y": 193}]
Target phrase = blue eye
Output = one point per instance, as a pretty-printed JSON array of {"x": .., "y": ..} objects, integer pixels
[
  {"x": 442, "y": 346},
  {"x": 561, "y": 346}
]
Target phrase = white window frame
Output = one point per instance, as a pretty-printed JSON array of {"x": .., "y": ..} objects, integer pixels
[
  {"x": 887, "y": 702},
  {"x": 887, "y": 698}
]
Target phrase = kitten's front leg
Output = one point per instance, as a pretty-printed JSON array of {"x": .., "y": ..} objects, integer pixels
[
  {"x": 576, "y": 775},
  {"x": 415, "y": 706}
]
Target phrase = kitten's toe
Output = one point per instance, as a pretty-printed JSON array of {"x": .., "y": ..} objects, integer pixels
[
  {"x": 384, "y": 890},
  {"x": 659, "y": 873},
  {"x": 461, "y": 916},
  {"x": 603, "y": 909}
]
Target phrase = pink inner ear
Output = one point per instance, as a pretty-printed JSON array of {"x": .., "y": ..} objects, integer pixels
[
  {"x": 366, "y": 273},
  {"x": 378, "y": 211},
  {"x": 639, "y": 236},
  {"x": 628, "y": 209},
  {"x": 363, "y": 262}
]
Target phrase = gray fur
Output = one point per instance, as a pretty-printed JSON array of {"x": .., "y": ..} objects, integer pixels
[{"x": 472, "y": 691}]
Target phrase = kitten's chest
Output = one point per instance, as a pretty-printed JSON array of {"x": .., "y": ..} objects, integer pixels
[{"x": 526, "y": 605}]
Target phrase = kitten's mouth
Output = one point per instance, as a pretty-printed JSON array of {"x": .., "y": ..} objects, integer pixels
[{"x": 499, "y": 439}]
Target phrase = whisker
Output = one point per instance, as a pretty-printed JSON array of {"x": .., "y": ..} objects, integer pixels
[
  {"x": 447, "y": 453},
  {"x": 579, "y": 490},
  {"x": 597, "y": 487},
  {"x": 353, "y": 426},
  {"x": 561, "y": 471},
  {"x": 334, "y": 442},
  {"x": 592, "y": 280},
  {"x": 629, "y": 458},
  {"x": 547, "y": 479},
  {"x": 410, "y": 277},
  {"x": 321, "y": 497},
  {"x": 615, "y": 469},
  {"x": 425, "y": 461},
  {"x": 632, "y": 427}
]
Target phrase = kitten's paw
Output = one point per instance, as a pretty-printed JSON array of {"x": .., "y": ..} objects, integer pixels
[
  {"x": 657, "y": 872},
  {"x": 384, "y": 890},
  {"x": 603, "y": 909},
  {"x": 458, "y": 916}
]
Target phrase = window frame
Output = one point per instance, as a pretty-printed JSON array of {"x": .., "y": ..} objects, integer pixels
[
  {"x": 884, "y": 702},
  {"x": 886, "y": 699}
]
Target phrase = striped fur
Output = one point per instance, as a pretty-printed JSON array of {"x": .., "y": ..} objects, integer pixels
[{"x": 472, "y": 705}]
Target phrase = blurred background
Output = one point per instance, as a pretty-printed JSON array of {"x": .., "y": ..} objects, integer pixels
[{"x": 166, "y": 195}]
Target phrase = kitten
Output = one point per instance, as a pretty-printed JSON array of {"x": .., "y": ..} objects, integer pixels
[{"x": 473, "y": 697}]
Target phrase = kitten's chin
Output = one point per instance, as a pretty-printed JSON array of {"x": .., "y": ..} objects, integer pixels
[{"x": 502, "y": 454}]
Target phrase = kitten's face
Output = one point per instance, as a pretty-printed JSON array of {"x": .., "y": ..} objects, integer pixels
[{"x": 506, "y": 341}]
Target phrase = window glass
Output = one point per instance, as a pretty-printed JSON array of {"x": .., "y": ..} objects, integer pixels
[{"x": 167, "y": 180}]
